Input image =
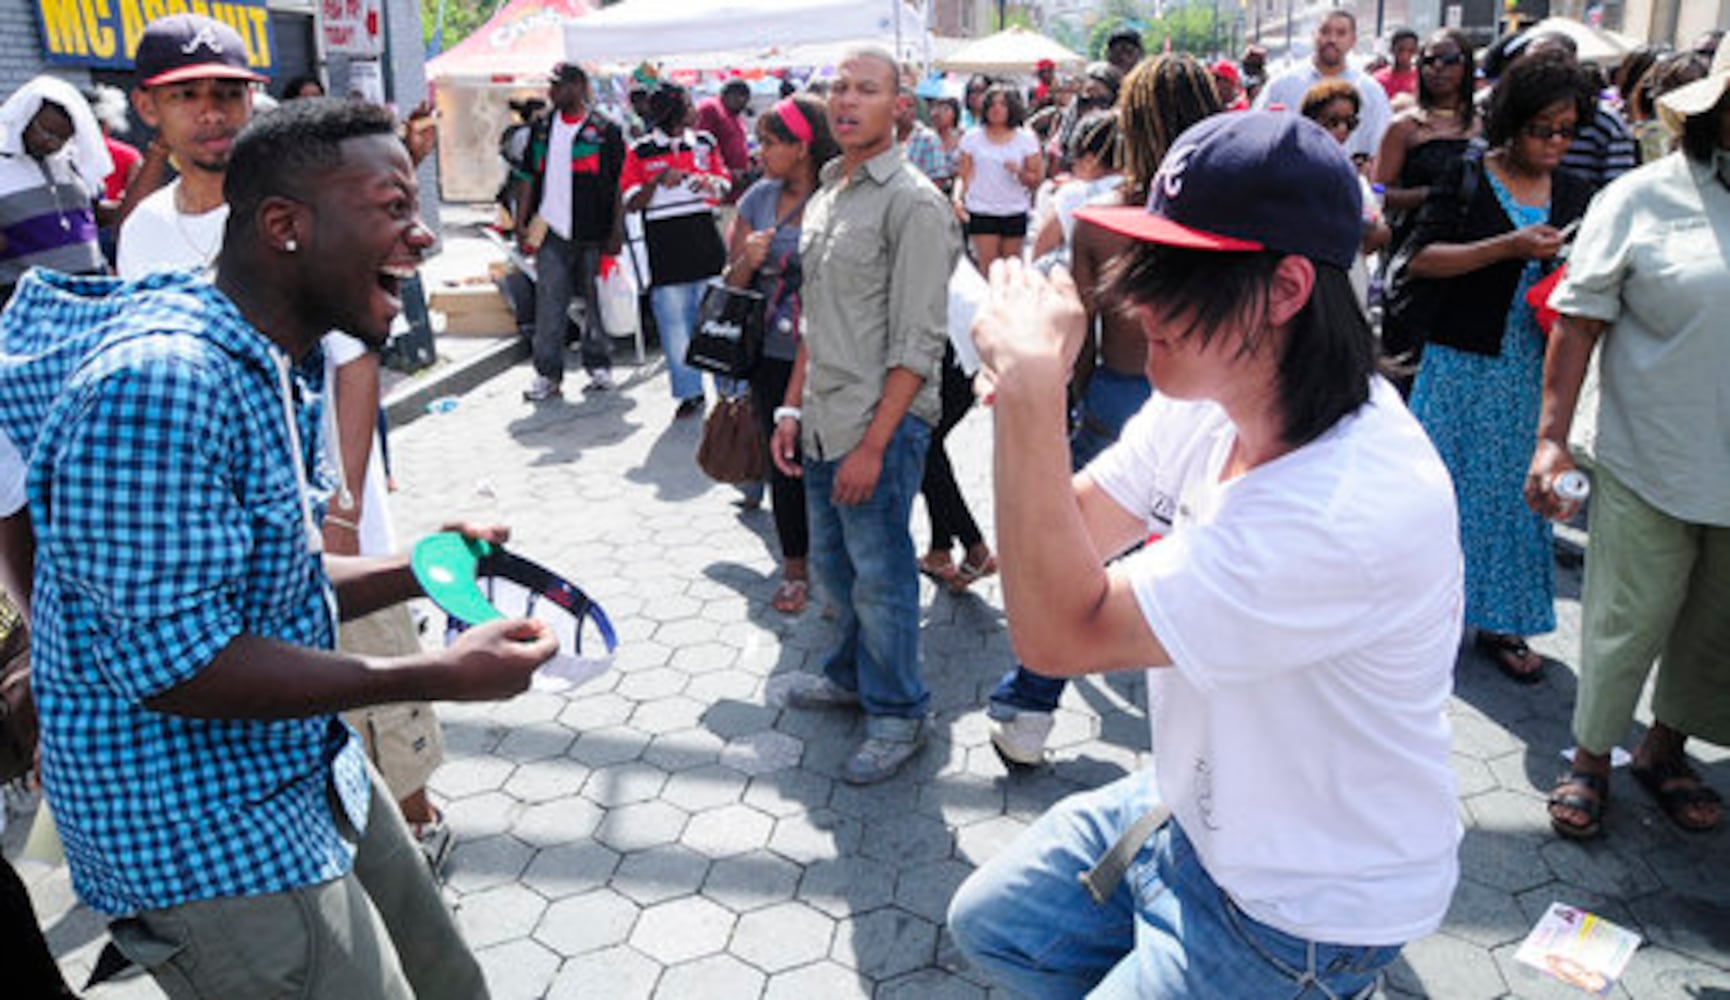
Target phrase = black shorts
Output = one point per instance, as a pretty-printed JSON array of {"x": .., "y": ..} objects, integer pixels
[{"x": 1012, "y": 226}]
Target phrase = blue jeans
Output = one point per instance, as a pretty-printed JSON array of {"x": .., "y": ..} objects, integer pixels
[
  {"x": 1168, "y": 931},
  {"x": 863, "y": 555},
  {"x": 1110, "y": 401},
  {"x": 675, "y": 309}
]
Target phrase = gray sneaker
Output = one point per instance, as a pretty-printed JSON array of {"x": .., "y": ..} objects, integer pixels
[
  {"x": 1020, "y": 739},
  {"x": 878, "y": 759},
  {"x": 818, "y": 691}
]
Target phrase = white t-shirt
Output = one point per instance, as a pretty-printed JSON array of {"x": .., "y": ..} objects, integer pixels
[
  {"x": 156, "y": 237},
  {"x": 1312, "y": 609},
  {"x": 556, "y": 190},
  {"x": 996, "y": 187},
  {"x": 377, "y": 535}
]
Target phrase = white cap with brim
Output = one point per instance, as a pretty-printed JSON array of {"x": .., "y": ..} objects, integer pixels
[{"x": 1698, "y": 97}]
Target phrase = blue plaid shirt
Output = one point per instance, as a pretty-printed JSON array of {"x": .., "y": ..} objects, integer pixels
[
  {"x": 169, "y": 520},
  {"x": 925, "y": 151}
]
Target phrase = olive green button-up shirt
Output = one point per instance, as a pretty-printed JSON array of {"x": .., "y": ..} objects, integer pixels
[{"x": 878, "y": 249}]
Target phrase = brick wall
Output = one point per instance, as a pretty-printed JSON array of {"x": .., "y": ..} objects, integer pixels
[{"x": 21, "y": 48}]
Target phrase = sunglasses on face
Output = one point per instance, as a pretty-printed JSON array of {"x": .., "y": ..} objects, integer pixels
[
  {"x": 1545, "y": 133},
  {"x": 1349, "y": 122},
  {"x": 1448, "y": 59}
]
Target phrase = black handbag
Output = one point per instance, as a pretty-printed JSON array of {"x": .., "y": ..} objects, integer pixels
[
  {"x": 1411, "y": 304},
  {"x": 728, "y": 338}
]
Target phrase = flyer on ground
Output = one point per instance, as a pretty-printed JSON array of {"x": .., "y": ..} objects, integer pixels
[{"x": 1579, "y": 948}]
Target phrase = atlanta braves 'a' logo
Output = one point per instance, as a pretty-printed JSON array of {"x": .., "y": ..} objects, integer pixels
[
  {"x": 1169, "y": 180},
  {"x": 205, "y": 37}
]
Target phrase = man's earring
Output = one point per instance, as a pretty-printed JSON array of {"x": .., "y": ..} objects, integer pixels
[{"x": 290, "y": 245}]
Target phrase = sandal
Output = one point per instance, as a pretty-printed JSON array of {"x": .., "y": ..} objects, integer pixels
[
  {"x": 791, "y": 596},
  {"x": 1677, "y": 790},
  {"x": 1568, "y": 795},
  {"x": 1512, "y": 656},
  {"x": 938, "y": 566},
  {"x": 969, "y": 573}
]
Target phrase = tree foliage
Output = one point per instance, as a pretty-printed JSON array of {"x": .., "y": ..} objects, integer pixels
[
  {"x": 1187, "y": 23},
  {"x": 462, "y": 17}
]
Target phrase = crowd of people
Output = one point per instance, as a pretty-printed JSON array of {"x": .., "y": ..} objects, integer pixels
[{"x": 1282, "y": 368}]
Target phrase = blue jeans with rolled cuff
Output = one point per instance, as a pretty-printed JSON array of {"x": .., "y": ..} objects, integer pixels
[{"x": 863, "y": 556}]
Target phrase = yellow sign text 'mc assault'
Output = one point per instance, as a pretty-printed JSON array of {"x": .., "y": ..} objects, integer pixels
[{"x": 106, "y": 32}]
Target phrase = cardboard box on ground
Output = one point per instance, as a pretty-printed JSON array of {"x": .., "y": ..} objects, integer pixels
[{"x": 473, "y": 306}]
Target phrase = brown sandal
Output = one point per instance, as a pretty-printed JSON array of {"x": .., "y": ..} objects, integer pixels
[
  {"x": 1677, "y": 790},
  {"x": 1567, "y": 795}
]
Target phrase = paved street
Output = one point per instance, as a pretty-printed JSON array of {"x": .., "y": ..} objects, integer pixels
[{"x": 672, "y": 831}]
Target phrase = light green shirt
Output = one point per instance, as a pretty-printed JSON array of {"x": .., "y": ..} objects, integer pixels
[
  {"x": 877, "y": 249},
  {"x": 1653, "y": 261}
]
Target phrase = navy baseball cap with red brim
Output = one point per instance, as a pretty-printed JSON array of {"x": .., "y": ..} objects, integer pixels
[
  {"x": 1249, "y": 181},
  {"x": 182, "y": 47}
]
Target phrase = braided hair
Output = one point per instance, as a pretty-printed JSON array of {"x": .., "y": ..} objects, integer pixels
[{"x": 1161, "y": 98}]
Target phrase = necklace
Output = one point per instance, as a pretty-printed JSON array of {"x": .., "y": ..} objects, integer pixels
[
  {"x": 206, "y": 254},
  {"x": 54, "y": 192}
]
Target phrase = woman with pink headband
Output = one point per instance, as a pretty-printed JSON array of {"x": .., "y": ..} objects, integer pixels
[{"x": 763, "y": 253}]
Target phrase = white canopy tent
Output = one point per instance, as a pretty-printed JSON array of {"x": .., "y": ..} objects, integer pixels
[
  {"x": 1600, "y": 45},
  {"x": 747, "y": 32},
  {"x": 1013, "y": 50}
]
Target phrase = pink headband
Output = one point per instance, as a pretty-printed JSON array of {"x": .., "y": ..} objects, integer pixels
[{"x": 794, "y": 119}]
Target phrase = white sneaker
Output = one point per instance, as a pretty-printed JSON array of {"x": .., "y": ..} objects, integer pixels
[
  {"x": 600, "y": 380},
  {"x": 542, "y": 388},
  {"x": 1020, "y": 739}
]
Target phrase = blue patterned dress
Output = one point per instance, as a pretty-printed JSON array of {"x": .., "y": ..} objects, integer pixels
[{"x": 1482, "y": 414}]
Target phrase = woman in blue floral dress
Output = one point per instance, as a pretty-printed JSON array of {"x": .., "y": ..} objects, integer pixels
[{"x": 1491, "y": 230}]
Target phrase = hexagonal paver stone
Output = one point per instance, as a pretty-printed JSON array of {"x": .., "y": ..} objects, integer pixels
[
  {"x": 642, "y": 825},
  {"x": 595, "y": 711},
  {"x": 559, "y": 822},
  {"x": 782, "y": 937},
  {"x": 708, "y": 978},
  {"x": 750, "y": 881},
  {"x": 612, "y": 745},
  {"x": 931, "y": 984},
  {"x": 819, "y": 979},
  {"x": 906, "y": 839},
  {"x": 484, "y": 815},
  {"x": 704, "y": 788},
  {"x": 593, "y": 920},
  {"x": 980, "y": 842},
  {"x": 481, "y": 864},
  {"x": 732, "y": 718},
  {"x": 626, "y": 973},
  {"x": 668, "y": 715},
  {"x": 652, "y": 684},
  {"x": 961, "y": 798},
  {"x": 682, "y": 929},
  {"x": 763, "y": 752},
  {"x": 815, "y": 836},
  {"x": 661, "y": 873},
  {"x": 731, "y": 829},
  {"x": 520, "y": 968},
  {"x": 1485, "y": 916},
  {"x": 683, "y": 750},
  {"x": 499, "y": 914},
  {"x": 567, "y": 869},
  {"x": 885, "y": 943},
  {"x": 545, "y": 780},
  {"x": 1443, "y": 966},
  {"x": 1502, "y": 859},
  {"x": 927, "y": 889},
  {"x": 704, "y": 657},
  {"x": 526, "y": 709},
  {"x": 847, "y": 885},
  {"x": 541, "y": 740},
  {"x": 471, "y": 776},
  {"x": 624, "y": 784}
]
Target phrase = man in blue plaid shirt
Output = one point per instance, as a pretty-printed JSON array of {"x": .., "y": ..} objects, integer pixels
[{"x": 208, "y": 797}]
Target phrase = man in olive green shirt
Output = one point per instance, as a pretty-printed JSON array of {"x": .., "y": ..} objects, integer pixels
[{"x": 878, "y": 245}]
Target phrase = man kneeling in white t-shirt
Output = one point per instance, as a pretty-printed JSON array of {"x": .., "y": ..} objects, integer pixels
[{"x": 1307, "y": 592}]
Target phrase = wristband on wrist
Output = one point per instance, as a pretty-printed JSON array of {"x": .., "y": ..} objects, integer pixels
[{"x": 784, "y": 412}]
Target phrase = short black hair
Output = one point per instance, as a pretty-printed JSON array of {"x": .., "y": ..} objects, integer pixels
[
  {"x": 283, "y": 150},
  {"x": 736, "y": 86},
  {"x": 664, "y": 102},
  {"x": 291, "y": 90},
  {"x": 1702, "y": 134},
  {"x": 1097, "y": 134},
  {"x": 1333, "y": 12},
  {"x": 1531, "y": 84},
  {"x": 1401, "y": 35},
  {"x": 1125, "y": 34},
  {"x": 1323, "y": 372}
]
